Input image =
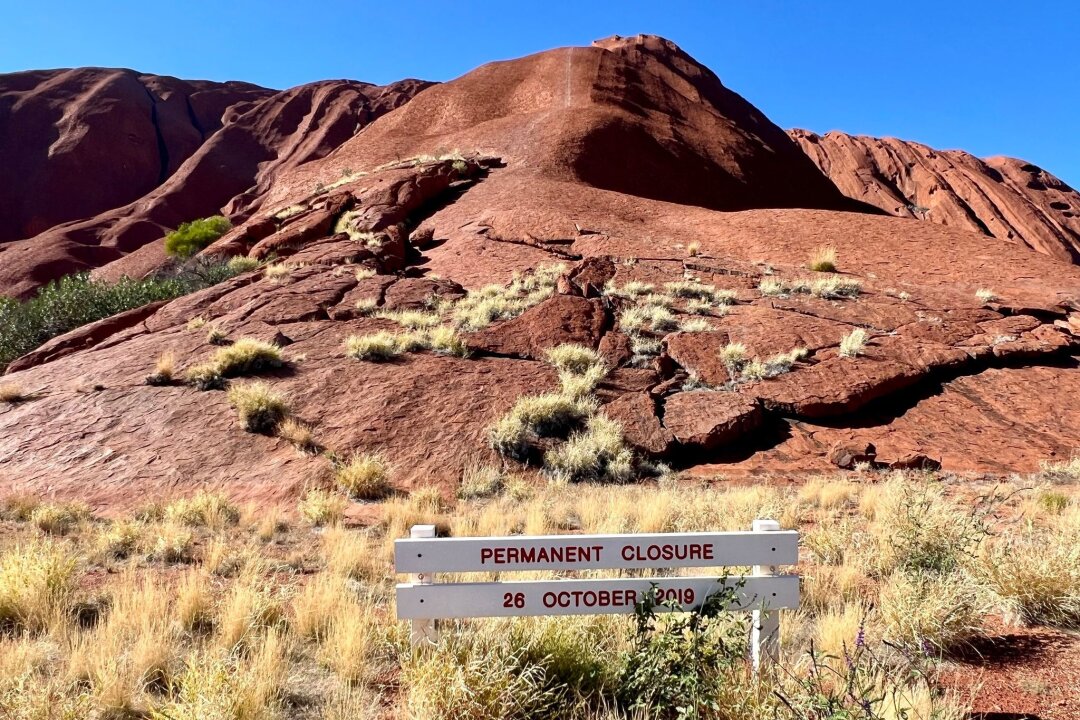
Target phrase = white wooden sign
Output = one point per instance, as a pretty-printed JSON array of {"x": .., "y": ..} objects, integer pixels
[{"x": 766, "y": 546}]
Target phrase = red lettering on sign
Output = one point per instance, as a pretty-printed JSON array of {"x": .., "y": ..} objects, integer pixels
[
  {"x": 533, "y": 555},
  {"x": 667, "y": 551}
]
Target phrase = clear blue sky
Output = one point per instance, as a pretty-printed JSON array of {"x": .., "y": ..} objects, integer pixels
[{"x": 991, "y": 77}]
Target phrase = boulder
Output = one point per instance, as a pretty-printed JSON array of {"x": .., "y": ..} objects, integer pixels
[
  {"x": 636, "y": 412},
  {"x": 915, "y": 461},
  {"x": 847, "y": 455},
  {"x": 707, "y": 420},
  {"x": 557, "y": 320}
]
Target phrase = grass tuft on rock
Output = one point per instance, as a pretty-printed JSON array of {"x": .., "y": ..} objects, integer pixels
[
  {"x": 852, "y": 344},
  {"x": 573, "y": 358},
  {"x": 11, "y": 393},
  {"x": 822, "y": 259},
  {"x": 596, "y": 453},
  {"x": 246, "y": 356},
  {"x": 258, "y": 406},
  {"x": 365, "y": 476},
  {"x": 377, "y": 347}
]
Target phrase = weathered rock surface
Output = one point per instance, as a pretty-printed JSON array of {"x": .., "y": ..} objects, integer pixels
[
  {"x": 708, "y": 420},
  {"x": 1001, "y": 197},
  {"x": 79, "y": 142},
  {"x": 848, "y": 455},
  {"x": 636, "y": 411},
  {"x": 138, "y": 155},
  {"x": 982, "y": 386},
  {"x": 561, "y": 319}
]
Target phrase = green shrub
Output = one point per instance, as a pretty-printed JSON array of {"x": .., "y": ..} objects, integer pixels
[
  {"x": 191, "y": 237},
  {"x": 680, "y": 665},
  {"x": 76, "y": 300}
]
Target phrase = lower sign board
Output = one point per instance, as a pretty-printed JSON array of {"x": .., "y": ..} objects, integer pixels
[{"x": 587, "y": 597}]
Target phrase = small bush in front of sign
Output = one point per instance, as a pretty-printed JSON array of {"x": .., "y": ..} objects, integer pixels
[{"x": 677, "y": 665}]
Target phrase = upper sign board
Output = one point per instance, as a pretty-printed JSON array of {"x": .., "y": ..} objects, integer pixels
[{"x": 601, "y": 552}]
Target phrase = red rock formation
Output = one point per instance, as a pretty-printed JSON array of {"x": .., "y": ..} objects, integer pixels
[
  {"x": 125, "y": 158},
  {"x": 981, "y": 385},
  {"x": 79, "y": 142},
  {"x": 633, "y": 115},
  {"x": 1002, "y": 197}
]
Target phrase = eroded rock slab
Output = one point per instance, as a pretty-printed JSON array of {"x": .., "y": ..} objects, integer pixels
[
  {"x": 636, "y": 411},
  {"x": 557, "y": 320},
  {"x": 707, "y": 420}
]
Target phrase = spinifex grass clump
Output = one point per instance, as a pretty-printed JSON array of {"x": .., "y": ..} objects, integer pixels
[
  {"x": 364, "y": 475},
  {"x": 597, "y": 453},
  {"x": 853, "y": 343},
  {"x": 823, "y": 259},
  {"x": 538, "y": 416},
  {"x": 246, "y": 356},
  {"x": 484, "y": 306},
  {"x": 258, "y": 407}
]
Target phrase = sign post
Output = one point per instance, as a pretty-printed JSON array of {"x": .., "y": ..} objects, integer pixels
[
  {"x": 423, "y": 629},
  {"x": 763, "y": 593},
  {"x": 765, "y": 621}
]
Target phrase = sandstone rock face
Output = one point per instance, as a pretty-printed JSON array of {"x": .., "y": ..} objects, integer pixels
[
  {"x": 709, "y": 420},
  {"x": 126, "y": 131},
  {"x": 944, "y": 375},
  {"x": 121, "y": 159},
  {"x": 633, "y": 115},
  {"x": 562, "y": 319},
  {"x": 1001, "y": 197}
]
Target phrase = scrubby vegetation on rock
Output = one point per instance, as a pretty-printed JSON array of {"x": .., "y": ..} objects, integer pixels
[
  {"x": 78, "y": 300},
  {"x": 365, "y": 476},
  {"x": 258, "y": 407}
]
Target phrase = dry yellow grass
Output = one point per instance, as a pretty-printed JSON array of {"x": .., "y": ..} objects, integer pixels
[
  {"x": 203, "y": 509},
  {"x": 304, "y": 620},
  {"x": 259, "y": 407},
  {"x": 299, "y": 433},
  {"x": 37, "y": 586},
  {"x": 822, "y": 259},
  {"x": 365, "y": 476},
  {"x": 11, "y": 393},
  {"x": 322, "y": 507},
  {"x": 165, "y": 367}
]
